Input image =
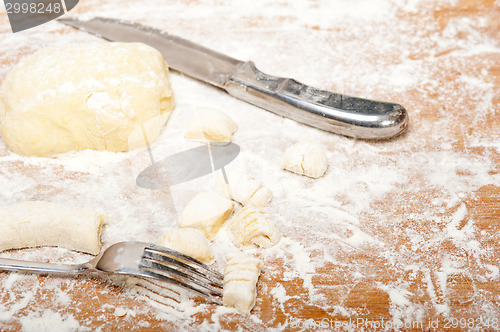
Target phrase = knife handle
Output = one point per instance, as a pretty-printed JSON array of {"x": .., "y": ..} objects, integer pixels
[{"x": 329, "y": 111}]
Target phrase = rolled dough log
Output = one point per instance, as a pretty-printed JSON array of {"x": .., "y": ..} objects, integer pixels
[
  {"x": 100, "y": 96},
  {"x": 39, "y": 223}
]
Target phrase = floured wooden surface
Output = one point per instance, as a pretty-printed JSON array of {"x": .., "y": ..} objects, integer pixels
[{"x": 400, "y": 231}]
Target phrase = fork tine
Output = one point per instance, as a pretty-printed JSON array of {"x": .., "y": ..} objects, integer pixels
[
  {"x": 189, "y": 261},
  {"x": 159, "y": 268},
  {"x": 167, "y": 261},
  {"x": 164, "y": 278},
  {"x": 168, "y": 264}
]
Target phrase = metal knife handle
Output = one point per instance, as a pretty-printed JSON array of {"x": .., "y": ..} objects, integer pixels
[{"x": 333, "y": 112}]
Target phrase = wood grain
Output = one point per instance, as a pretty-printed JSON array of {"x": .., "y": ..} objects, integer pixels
[{"x": 356, "y": 291}]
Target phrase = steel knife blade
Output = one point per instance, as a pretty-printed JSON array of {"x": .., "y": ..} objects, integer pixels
[{"x": 326, "y": 110}]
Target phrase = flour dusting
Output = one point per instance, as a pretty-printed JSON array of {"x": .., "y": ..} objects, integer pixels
[{"x": 394, "y": 229}]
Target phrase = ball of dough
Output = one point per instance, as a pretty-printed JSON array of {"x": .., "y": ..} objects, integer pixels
[
  {"x": 100, "y": 96},
  {"x": 210, "y": 125},
  {"x": 305, "y": 158}
]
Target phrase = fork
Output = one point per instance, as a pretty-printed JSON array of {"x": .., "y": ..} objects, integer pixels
[{"x": 138, "y": 259}]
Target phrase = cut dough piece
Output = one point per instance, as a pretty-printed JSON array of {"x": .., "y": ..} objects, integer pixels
[
  {"x": 210, "y": 125},
  {"x": 251, "y": 226},
  {"x": 39, "y": 223},
  {"x": 189, "y": 241},
  {"x": 243, "y": 189},
  {"x": 261, "y": 197},
  {"x": 240, "y": 282},
  {"x": 305, "y": 158},
  {"x": 100, "y": 96},
  {"x": 240, "y": 187},
  {"x": 207, "y": 212}
]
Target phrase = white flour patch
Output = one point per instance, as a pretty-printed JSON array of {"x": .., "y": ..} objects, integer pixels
[
  {"x": 396, "y": 203},
  {"x": 48, "y": 321}
]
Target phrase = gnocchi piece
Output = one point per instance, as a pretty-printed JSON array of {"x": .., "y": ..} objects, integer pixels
[
  {"x": 261, "y": 197},
  {"x": 243, "y": 189},
  {"x": 207, "y": 212},
  {"x": 39, "y": 223},
  {"x": 210, "y": 125},
  {"x": 305, "y": 158},
  {"x": 240, "y": 282},
  {"x": 189, "y": 241},
  {"x": 251, "y": 226}
]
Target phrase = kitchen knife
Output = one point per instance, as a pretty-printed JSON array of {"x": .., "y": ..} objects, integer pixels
[{"x": 329, "y": 111}]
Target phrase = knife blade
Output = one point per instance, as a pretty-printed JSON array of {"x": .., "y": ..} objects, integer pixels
[{"x": 326, "y": 110}]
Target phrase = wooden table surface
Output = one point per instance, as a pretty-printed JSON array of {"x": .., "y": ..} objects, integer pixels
[{"x": 430, "y": 256}]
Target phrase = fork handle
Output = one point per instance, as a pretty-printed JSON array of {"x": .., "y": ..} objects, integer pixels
[{"x": 42, "y": 268}]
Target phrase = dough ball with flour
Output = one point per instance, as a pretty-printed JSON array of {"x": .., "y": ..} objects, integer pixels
[
  {"x": 210, "y": 125},
  {"x": 206, "y": 211},
  {"x": 305, "y": 158},
  {"x": 189, "y": 241},
  {"x": 101, "y": 96}
]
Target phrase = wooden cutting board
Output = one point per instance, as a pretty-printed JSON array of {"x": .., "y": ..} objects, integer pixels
[{"x": 401, "y": 233}]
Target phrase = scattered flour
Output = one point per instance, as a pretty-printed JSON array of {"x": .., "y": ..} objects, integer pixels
[
  {"x": 48, "y": 321},
  {"x": 395, "y": 204}
]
